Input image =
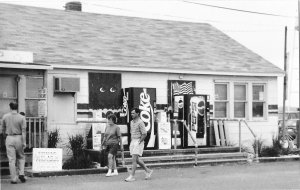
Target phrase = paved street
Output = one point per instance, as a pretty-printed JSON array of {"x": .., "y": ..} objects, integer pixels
[{"x": 274, "y": 175}]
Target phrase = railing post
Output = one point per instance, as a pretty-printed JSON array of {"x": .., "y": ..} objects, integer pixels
[
  {"x": 34, "y": 133},
  {"x": 240, "y": 136},
  {"x": 175, "y": 129},
  {"x": 45, "y": 133},
  {"x": 40, "y": 132},
  {"x": 256, "y": 141},
  {"x": 256, "y": 152},
  {"x": 196, "y": 154},
  {"x": 29, "y": 133},
  {"x": 195, "y": 143},
  {"x": 122, "y": 154}
]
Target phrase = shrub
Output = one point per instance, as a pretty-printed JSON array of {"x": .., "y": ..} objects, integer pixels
[
  {"x": 78, "y": 160},
  {"x": 276, "y": 149},
  {"x": 277, "y": 143},
  {"x": 270, "y": 152},
  {"x": 76, "y": 145},
  {"x": 247, "y": 149},
  {"x": 258, "y": 142},
  {"x": 53, "y": 138},
  {"x": 78, "y": 163}
]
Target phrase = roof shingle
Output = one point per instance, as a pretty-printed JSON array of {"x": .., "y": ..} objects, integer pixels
[{"x": 63, "y": 38}]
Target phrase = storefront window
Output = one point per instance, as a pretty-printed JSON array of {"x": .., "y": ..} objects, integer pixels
[
  {"x": 34, "y": 85},
  {"x": 31, "y": 108},
  {"x": 221, "y": 100},
  {"x": 220, "y": 109},
  {"x": 258, "y": 103},
  {"x": 240, "y": 101},
  {"x": 8, "y": 93}
]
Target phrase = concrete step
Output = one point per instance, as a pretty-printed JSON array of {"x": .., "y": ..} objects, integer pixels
[
  {"x": 127, "y": 168},
  {"x": 199, "y": 163},
  {"x": 4, "y": 170},
  {"x": 187, "y": 158},
  {"x": 207, "y": 150}
]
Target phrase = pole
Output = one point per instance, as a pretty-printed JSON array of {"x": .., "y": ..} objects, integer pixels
[
  {"x": 284, "y": 87},
  {"x": 175, "y": 130},
  {"x": 240, "y": 136},
  {"x": 299, "y": 60}
]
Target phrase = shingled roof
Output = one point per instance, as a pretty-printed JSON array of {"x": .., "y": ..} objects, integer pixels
[{"x": 71, "y": 39}]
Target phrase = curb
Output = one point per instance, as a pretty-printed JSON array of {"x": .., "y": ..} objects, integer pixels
[
  {"x": 279, "y": 159},
  {"x": 31, "y": 173}
]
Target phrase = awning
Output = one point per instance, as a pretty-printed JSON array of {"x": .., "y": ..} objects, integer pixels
[{"x": 25, "y": 66}]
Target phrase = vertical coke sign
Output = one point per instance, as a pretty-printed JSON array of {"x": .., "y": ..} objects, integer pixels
[
  {"x": 147, "y": 117},
  {"x": 144, "y": 98}
]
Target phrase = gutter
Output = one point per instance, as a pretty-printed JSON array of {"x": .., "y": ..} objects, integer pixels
[
  {"x": 25, "y": 66},
  {"x": 169, "y": 70}
]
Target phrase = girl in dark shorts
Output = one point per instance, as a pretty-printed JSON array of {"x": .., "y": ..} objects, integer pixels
[{"x": 111, "y": 141}]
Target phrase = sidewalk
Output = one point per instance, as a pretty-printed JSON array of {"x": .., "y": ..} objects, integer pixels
[{"x": 270, "y": 175}]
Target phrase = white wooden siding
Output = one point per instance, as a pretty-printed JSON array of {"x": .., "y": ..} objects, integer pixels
[{"x": 204, "y": 85}]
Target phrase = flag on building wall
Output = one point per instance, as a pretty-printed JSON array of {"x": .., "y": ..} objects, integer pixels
[
  {"x": 180, "y": 87},
  {"x": 185, "y": 88}
]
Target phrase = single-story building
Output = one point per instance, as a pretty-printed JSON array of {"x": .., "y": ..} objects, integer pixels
[{"x": 81, "y": 62}]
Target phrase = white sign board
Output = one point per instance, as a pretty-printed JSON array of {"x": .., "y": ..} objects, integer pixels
[
  {"x": 47, "y": 159},
  {"x": 164, "y": 135},
  {"x": 16, "y": 56},
  {"x": 97, "y": 130}
]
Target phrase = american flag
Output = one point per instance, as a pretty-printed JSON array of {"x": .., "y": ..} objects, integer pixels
[{"x": 184, "y": 88}]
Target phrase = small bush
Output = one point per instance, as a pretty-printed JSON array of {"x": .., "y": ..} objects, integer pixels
[
  {"x": 276, "y": 143},
  {"x": 247, "y": 149},
  {"x": 78, "y": 163},
  {"x": 258, "y": 142},
  {"x": 76, "y": 145},
  {"x": 275, "y": 150},
  {"x": 269, "y": 152},
  {"x": 286, "y": 151},
  {"x": 78, "y": 160},
  {"x": 53, "y": 138}
]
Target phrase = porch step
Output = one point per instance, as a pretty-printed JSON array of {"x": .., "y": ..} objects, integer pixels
[
  {"x": 187, "y": 158},
  {"x": 199, "y": 163},
  {"x": 207, "y": 150},
  {"x": 177, "y": 155},
  {"x": 4, "y": 170}
]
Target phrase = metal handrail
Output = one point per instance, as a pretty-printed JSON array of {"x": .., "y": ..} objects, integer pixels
[
  {"x": 189, "y": 132},
  {"x": 122, "y": 155},
  {"x": 240, "y": 134},
  {"x": 35, "y": 127},
  {"x": 195, "y": 143},
  {"x": 254, "y": 135}
]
